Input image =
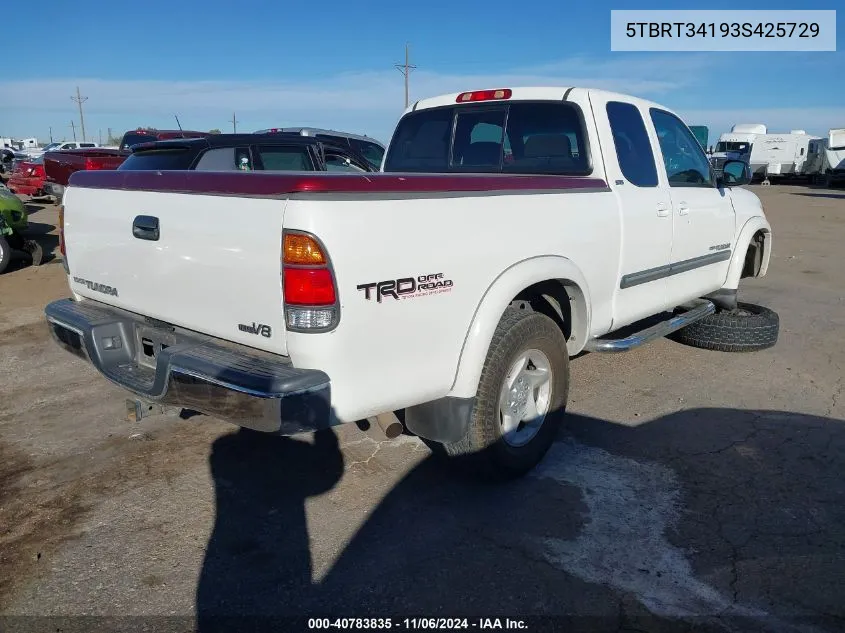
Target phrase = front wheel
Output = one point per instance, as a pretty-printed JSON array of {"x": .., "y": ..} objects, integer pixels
[
  {"x": 521, "y": 398},
  {"x": 5, "y": 253}
]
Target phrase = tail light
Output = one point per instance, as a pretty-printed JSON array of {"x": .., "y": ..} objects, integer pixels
[
  {"x": 310, "y": 292},
  {"x": 38, "y": 171},
  {"x": 95, "y": 163},
  {"x": 484, "y": 95},
  {"x": 62, "y": 248}
]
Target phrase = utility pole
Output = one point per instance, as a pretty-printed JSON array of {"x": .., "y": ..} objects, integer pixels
[
  {"x": 234, "y": 124},
  {"x": 406, "y": 69},
  {"x": 80, "y": 100},
  {"x": 100, "y": 131},
  {"x": 73, "y": 127},
  {"x": 51, "y": 133},
  {"x": 109, "y": 138}
]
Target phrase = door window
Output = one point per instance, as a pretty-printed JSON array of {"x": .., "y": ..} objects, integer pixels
[
  {"x": 685, "y": 162},
  {"x": 280, "y": 158},
  {"x": 633, "y": 149}
]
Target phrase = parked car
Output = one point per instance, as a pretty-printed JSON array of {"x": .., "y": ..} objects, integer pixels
[
  {"x": 7, "y": 159},
  {"x": 370, "y": 148},
  {"x": 246, "y": 152},
  {"x": 13, "y": 209},
  {"x": 13, "y": 221},
  {"x": 36, "y": 152},
  {"x": 454, "y": 285},
  {"x": 28, "y": 178},
  {"x": 59, "y": 164}
]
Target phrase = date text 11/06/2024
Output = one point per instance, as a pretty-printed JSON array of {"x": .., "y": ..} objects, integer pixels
[{"x": 418, "y": 623}]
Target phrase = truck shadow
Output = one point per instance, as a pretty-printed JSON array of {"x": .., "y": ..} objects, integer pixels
[
  {"x": 712, "y": 517},
  {"x": 821, "y": 195}
]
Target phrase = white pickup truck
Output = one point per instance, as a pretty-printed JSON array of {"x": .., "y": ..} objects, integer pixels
[{"x": 510, "y": 230}]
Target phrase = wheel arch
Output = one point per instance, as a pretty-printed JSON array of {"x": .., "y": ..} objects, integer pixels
[
  {"x": 756, "y": 233},
  {"x": 550, "y": 284}
]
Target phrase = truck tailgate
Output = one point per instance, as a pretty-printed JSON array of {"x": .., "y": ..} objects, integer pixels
[{"x": 214, "y": 267}]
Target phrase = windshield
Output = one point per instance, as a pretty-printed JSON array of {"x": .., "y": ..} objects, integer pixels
[
  {"x": 733, "y": 146},
  {"x": 51, "y": 146}
]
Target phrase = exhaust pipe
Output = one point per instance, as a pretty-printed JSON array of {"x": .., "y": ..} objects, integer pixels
[{"x": 389, "y": 424}]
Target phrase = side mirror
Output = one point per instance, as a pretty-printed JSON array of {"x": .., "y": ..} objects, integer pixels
[{"x": 735, "y": 173}]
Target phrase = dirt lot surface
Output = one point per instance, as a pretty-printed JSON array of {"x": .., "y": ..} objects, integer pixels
[{"x": 691, "y": 487}]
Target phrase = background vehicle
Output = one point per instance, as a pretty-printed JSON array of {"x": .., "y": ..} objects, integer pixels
[
  {"x": 826, "y": 159},
  {"x": 370, "y": 148},
  {"x": 13, "y": 209},
  {"x": 13, "y": 220},
  {"x": 454, "y": 285},
  {"x": 246, "y": 152},
  {"x": 28, "y": 178},
  {"x": 779, "y": 155},
  {"x": 60, "y": 163}
]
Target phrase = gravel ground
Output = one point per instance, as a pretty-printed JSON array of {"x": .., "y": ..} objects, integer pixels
[{"x": 690, "y": 488}]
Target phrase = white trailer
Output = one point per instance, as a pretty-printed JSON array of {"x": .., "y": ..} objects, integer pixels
[
  {"x": 826, "y": 158},
  {"x": 779, "y": 155}
]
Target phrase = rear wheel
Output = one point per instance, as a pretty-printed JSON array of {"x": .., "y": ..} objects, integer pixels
[{"x": 521, "y": 398}]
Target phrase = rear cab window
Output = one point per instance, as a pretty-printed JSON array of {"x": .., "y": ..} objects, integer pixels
[
  {"x": 172, "y": 157},
  {"x": 544, "y": 137},
  {"x": 134, "y": 138}
]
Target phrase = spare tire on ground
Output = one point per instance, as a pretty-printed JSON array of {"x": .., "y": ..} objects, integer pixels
[{"x": 748, "y": 328}]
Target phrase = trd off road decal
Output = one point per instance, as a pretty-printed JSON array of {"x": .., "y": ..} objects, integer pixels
[{"x": 406, "y": 287}]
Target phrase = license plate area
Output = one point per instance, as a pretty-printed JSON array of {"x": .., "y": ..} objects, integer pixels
[{"x": 149, "y": 342}]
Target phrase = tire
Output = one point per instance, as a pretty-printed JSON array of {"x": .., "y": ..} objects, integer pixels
[
  {"x": 485, "y": 450},
  {"x": 5, "y": 254},
  {"x": 749, "y": 328}
]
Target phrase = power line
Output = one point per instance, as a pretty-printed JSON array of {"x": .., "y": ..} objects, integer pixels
[
  {"x": 406, "y": 69},
  {"x": 80, "y": 100}
]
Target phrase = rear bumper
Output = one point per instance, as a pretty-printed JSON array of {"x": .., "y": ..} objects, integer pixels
[
  {"x": 26, "y": 186},
  {"x": 243, "y": 386},
  {"x": 54, "y": 189}
]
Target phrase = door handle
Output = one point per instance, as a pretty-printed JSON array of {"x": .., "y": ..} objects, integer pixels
[
  {"x": 683, "y": 209},
  {"x": 662, "y": 210},
  {"x": 145, "y": 227}
]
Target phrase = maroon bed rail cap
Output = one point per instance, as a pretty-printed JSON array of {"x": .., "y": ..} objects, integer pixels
[{"x": 280, "y": 184}]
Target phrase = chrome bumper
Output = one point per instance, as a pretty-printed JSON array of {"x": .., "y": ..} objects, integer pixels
[{"x": 185, "y": 369}]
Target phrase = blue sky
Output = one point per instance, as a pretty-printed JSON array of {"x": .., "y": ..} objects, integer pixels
[{"x": 330, "y": 64}]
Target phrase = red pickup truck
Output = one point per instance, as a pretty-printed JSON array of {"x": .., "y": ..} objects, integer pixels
[{"x": 58, "y": 166}]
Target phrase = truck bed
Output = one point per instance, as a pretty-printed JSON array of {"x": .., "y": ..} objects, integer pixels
[{"x": 58, "y": 166}]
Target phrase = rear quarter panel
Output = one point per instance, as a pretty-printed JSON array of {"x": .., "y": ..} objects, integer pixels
[{"x": 389, "y": 354}]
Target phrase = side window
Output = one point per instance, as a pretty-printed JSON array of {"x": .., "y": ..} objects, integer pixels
[
  {"x": 218, "y": 159},
  {"x": 372, "y": 152},
  {"x": 478, "y": 140},
  {"x": 633, "y": 148},
  {"x": 545, "y": 138},
  {"x": 686, "y": 164},
  {"x": 339, "y": 162},
  {"x": 281, "y": 158}
]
